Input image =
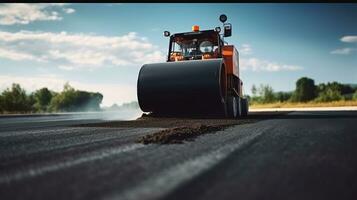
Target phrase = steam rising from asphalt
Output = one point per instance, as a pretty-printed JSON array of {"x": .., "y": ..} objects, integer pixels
[{"x": 123, "y": 114}]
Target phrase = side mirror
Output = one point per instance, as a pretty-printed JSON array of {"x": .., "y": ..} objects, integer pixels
[
  {"x": 227, "y": 30},
  {"x": 166, "y": 33}
]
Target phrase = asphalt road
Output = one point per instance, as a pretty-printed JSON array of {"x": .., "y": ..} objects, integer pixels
[{"x": 302, "y": 155}]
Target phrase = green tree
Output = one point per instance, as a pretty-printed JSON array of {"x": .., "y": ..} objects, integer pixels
[
  {"x": 254, "y": 90},
  {"x": 43, "y": 98},
  {"x": 342, "y": 88},
  {"x": 334, "y": 91},
  {"x": 254, "y": 98},
  {"x": 64, "y": 101},
  {"x": 1, "y": 108},
  {"x": 283, "y": 96},
  {"x": 75, "y": 100},
  {"x": 346, "y": 89},
  {"x": 336, "y": 86},
  {"x": 355, "y": 95},
  {"x": 329, "y": 94},
  {"x": 14, "y": 99},
  {"x": 305, "y": 90},
  {"x": 266, "y": 93},
  {"x": 31, "y": 101}
]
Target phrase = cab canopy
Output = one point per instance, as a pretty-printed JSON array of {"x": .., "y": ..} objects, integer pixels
[{"x": 194, "y": 45}]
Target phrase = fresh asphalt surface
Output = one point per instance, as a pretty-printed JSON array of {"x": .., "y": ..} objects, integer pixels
[{"x": 302, "y": 155}]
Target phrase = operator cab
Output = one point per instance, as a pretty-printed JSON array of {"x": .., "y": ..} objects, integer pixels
[{"x": 196, "y": 45}]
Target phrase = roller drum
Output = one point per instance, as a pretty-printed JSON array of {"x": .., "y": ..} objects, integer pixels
[{"x": 185, "y": 86}]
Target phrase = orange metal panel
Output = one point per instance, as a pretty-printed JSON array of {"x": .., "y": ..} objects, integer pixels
[{"x": 227, "y": 52}]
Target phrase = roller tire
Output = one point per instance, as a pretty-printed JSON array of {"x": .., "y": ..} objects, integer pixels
[
  {"x": 239, "y": 107},
  {"x": 232, "y": 109},
  {"x": 245, "y": 107}
]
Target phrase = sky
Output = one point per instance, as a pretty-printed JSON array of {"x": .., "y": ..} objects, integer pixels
[{"x": 101, "y": 47}]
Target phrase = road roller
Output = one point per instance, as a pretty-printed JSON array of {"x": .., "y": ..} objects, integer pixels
[{"x": 200, "y": 76}]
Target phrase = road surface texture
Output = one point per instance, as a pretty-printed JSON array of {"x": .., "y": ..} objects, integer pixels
[{"x": 299, "y": 155}]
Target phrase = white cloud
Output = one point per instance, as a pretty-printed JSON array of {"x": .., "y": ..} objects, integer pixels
[
  {"x": 22, "y": 13},
  {"x": 79, "y": 51},
  {"x": 347, "y": 50},
  {"x": 69, "y": 10},
  {"x": 14, "y": 55},
  {"x": 349, "y": 39},
  {"x": 255, "y": 64},
  {"x": 125, "y": 93},
  {"x": 343, "y": 51},
  {"x": 245, "y": 49}
]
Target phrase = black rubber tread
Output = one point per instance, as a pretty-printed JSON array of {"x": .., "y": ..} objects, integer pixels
[
  {"x": 239, "y": 107},
  {"x": 231, "y": 103},
  {"x": 245, "y": 106}
]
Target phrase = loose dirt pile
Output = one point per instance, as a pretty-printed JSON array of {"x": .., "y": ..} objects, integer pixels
[
  {"x": 178, "y": 134},
  {"x": 182, "y": 129}
]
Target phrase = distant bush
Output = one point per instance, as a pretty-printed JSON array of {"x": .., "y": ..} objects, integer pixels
[
  {"x": 71, "y": 100},
  {"x": 342, "y": 88},
  {"x": 355, "y": 95},
  {"x": 283, "y": 96},
  {"x": 305, "y": 91},
  {"x": 15, "y": 100},
  {"x": 265, "y": 92},
  {"x": 329, "y": 94},
  {"x": 1, "y": 106},
  {"x": 348, "y": 97}
]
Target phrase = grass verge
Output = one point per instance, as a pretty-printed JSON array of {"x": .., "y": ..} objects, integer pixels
[{"x": 305, "y": 105}]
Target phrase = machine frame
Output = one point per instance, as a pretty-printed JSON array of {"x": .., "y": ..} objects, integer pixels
[{"x": 197, "y": 77}]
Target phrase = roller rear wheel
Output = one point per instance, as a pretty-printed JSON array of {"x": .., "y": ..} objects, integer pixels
[
  {"x": 239, "y": 107},
  {"x": 245, "y": 107},
  {"x": 232, "y": 108}
]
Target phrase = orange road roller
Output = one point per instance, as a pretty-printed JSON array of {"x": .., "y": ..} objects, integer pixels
[{"x": 199, "y": 77}]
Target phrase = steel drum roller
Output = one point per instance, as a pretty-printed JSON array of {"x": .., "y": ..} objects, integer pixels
[{"x": 186, "y": 86}]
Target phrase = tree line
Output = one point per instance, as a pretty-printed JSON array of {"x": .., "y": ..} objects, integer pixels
[
  {"x": 16, "y": 100},
  {"x": 305, "y": 91}
]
